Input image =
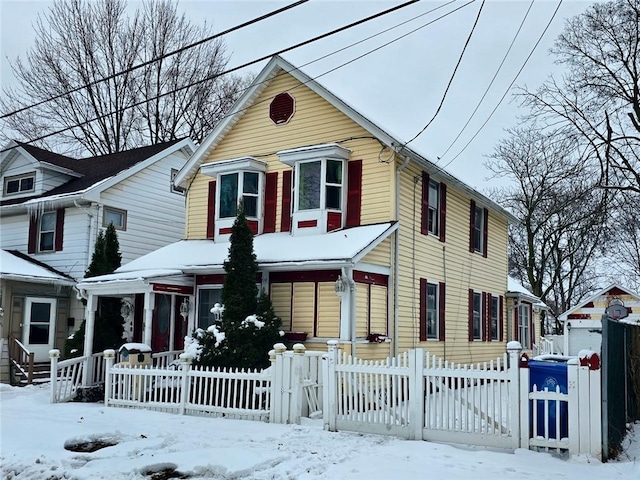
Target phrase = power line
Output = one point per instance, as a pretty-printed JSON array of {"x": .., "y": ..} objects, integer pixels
[
  {"x": 156, "y": 59},
  {"x": 239, "y": 67},
  {"x": 452, "y": 76},
  {"x": 490, "y": 83},
  {"x": 509, "y": 87}
]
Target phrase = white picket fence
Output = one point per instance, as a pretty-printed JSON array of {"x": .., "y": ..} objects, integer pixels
[{"x": 416, "y": 395}]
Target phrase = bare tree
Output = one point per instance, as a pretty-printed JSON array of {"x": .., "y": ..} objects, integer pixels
[
  {"x": 80, "y": 42},
  {"x": 597, "y": 102},
  {"x": 624, "y": 253},
  {"x": 561, "y": 211}
]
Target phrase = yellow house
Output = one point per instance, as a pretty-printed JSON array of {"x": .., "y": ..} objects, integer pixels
[{"x": 357, "y": 236}]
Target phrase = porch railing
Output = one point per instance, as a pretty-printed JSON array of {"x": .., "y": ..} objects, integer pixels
[{"x": 21, "y": 359}]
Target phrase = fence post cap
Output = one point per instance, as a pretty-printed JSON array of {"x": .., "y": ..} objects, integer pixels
[
  {"x": 272, "y": 354},
  {"x": 109, "y": 353},
  {"x": 54, "y": 353},
  {"x": 185, "y": 358},
  {"x": 514, "y": 345},
  {"x": 280, "y": 348},
  {"x": 299, "y": 349},
  {"x": 333, "y": 343}
]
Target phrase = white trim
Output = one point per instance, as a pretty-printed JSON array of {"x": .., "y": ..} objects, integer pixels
[
  {"x": 213, "y": 169},
  {"x": 564, "y": 316}
]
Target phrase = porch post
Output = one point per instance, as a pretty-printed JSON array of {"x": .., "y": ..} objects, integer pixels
[
  {"x": 149, "y": 302},
  {"x": 89, "y": 325}
]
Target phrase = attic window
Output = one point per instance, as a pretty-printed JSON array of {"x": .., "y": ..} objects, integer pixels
[
  {"x": 19, "y": 184},
  {"x": 282, "y": 108}
]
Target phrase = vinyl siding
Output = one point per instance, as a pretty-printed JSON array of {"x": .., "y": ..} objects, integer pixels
[
  {"x": 303, "y": 307},
  {"x": 328, "y": 311},
  {"x": 155, "y": 215},
  {"x": 314, "y": 122},
  {"x": 424, "y": 256},
  {"x": 281, "y": 301}
]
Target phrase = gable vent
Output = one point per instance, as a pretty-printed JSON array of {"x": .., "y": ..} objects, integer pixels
[{"x": 282, "y": 108}]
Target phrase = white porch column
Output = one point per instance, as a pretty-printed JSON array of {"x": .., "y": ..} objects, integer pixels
[
  {"x": 348, "y": 309},
  {"x": 89, "y": 326},
  {"x": 149, "y": 303}
]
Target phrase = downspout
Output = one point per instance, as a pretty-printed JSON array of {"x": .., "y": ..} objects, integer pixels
[
  {"x": 396, "y": 261},
  {"x": 90, "y": 229}
]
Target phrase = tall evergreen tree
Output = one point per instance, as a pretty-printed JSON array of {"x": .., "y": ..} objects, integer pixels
[
  {"x": 109, "y": 326},
  {"x": 249, "y": 324}
]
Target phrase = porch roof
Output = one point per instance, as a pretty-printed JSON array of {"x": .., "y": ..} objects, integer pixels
[
  {"x": 18, "y": 267},
  {"x": 274, "y": 251}
]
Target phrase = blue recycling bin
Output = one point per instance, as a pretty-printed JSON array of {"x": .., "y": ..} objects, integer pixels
[{"x": 549, "y": 374}]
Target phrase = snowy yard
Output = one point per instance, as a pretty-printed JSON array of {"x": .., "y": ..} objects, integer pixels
[{"x": 34, "y": 434}]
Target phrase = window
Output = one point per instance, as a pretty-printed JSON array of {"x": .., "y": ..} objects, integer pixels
[
  {"x": 495, "y": 315},
  {"x": 478, "y": 229},
  {"x": 320, "y": 185},
  {"x": 477, "y": 316},
  {"x": 116, "y": 216},
  {"x": 236, "y": 187},
  {"x": 434, "y": 207},
  {"x": 174, "y": 188},
  {"x": 19, "y": 184},
  {"x": 432, "y": 310},
  {"x": 47, "y": 232},
  {"x": 207, "y": 298},
  {"x": 524, "y": 325}
]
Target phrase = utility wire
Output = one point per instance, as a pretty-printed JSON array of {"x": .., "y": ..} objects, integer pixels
[
  {"x": 156, "y": 59},
  {"x": 490, "y": 83},
  {"x": 239, "y": 67},
  {"x": 509, "y": 87},
  {"x": 451, "y": 78}
]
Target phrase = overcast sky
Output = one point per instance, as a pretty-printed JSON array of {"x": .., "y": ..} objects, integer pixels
[{"x": 398, "y": 86}]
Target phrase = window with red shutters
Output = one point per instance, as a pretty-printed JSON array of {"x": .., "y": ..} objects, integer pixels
[{"x": 443, "y": 211}]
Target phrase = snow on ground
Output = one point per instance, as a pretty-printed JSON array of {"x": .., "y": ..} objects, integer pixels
[{"x": 35, "y": 432}]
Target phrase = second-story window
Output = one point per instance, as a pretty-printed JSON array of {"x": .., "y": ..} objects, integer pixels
[
  {"x": 320, "y": 185},
  {"x": 19, "y": 184},
  {"x": 434, "y": 208},
  {"x": 236, "y": 187},
  {"x": 47, "y": 232}
]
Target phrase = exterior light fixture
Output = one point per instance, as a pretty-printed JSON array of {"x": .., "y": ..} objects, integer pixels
[
  {"x": 185, "y": 307},
  {"x": 340, "y": 287},
  {"x": 569, "y": 326},
  {"x": 217, "y": 312}
]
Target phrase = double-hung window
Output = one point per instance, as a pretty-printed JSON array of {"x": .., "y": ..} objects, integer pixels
[
  {"x": 207, "y": 298},
  {"x": 47, "y": 232},
  {"x": 495, "y": 317},
  {"x": 478, "y": 235},
  {"x": 433, "y": 215},
  {"x": 432, "y": 310},
  {"x": 320, "y": 185},
  {"x": 239, "y": 187},
  {"x": 477, "y": 316},
  {"x": 524, "y": 325}
]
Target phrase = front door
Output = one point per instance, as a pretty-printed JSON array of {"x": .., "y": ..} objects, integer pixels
[
  {"x": 161, "y": 323},
  {"x": 39, "y": 326}
]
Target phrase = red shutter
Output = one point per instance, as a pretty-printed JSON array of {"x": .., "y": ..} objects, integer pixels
[
  {"x": 470, "y": 315},
  {"x": 441, "y": 311},
  {"x": 472, "y": 226},
  {"x": 483, "y": 318},
  {"x": 443, "y": 211},
  {"x": 485, "y": 232},
  {"x": 270, "y": 199},
  {"x": 354, "y": 192},
  {"x": 285, "y": 219},
  {"x": 423, "y": 309},
  {"x": 211, "y": 210},
  {"x": 59, "y": 229},
  {"x": 424, "y": 205},
  {"x": 33, "y": 234}
]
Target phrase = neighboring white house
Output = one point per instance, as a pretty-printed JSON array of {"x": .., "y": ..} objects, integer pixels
[
  {"x": 523, "y": 316},
  {"x": 52, "y": 208},
  {"x": 583, "y": 323}
]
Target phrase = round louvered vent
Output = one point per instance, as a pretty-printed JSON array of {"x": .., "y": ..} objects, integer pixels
[{"x": 281, "y": 109}]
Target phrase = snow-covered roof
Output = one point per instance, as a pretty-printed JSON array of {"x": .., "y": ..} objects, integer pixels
[
  {"x": 273, "y": 251},
  {"x": 515, "y": 288},
  {"x": 13, "y": 267}
]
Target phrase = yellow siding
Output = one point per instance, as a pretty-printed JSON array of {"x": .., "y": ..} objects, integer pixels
[
  {"x": 381, "y": 255},
  {"x": 451, "y": 262},
  {"x": 303, "y": 307},
  {"x": 315, "y": 122},
  {"x": 328, "y": 311},
  {"x": 373, "y": 351},
  {"x": 281, "y": 301},
  {"x": 362, "y": 307},
  {"x": 378, "y": 309}
]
